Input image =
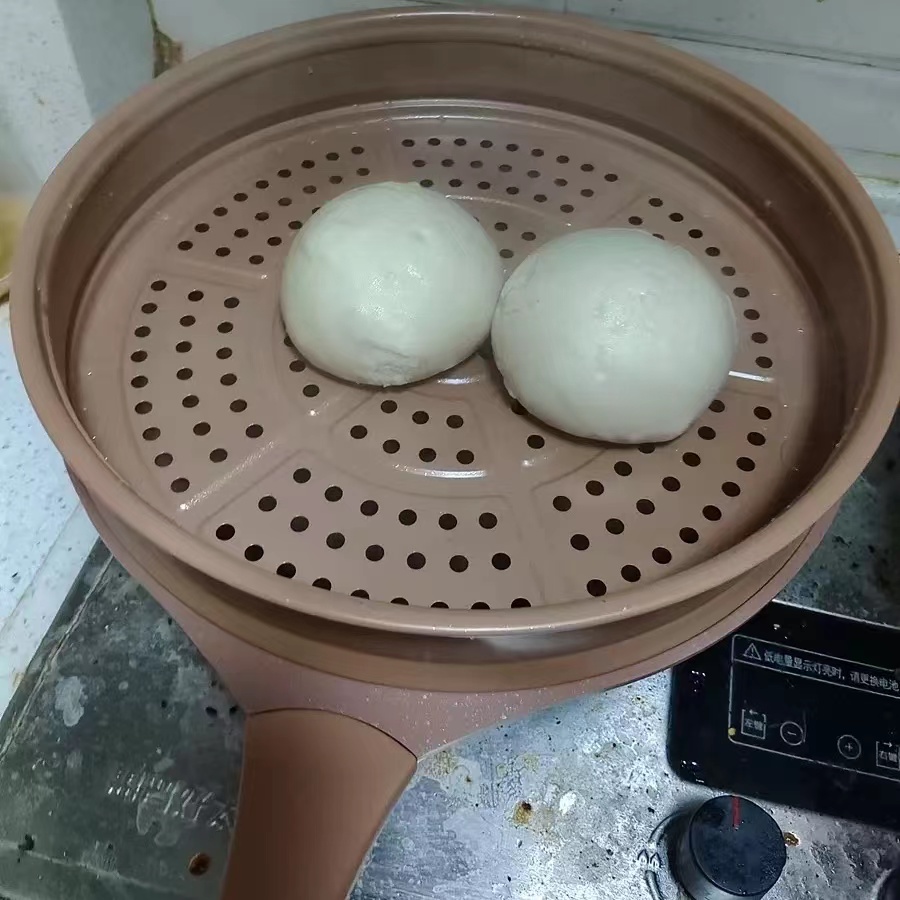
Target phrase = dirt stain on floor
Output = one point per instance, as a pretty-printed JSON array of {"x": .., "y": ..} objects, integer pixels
[{"x": 523, "y": 813}]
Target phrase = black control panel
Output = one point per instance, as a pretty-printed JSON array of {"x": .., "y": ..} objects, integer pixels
[{"x": 798, "y": 707}]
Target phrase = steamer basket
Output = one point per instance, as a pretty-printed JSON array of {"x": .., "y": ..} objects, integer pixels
[
  {"x": 147, "y": 323},
  {"x": 366, "y": 532}
]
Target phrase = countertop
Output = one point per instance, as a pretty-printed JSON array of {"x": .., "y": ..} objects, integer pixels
[{"x": 120, "y": 761}]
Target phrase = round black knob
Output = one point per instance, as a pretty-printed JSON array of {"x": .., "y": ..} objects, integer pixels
[{"x": 730, "y": 848}]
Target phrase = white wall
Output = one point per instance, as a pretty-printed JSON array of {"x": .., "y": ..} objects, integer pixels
[
  {"x": 200, "y": 25},
  {"x": 851, "y": 30},
  {"x": 42, "y": 99},
  {"x": 63, "y": 63},
  {"x": 111, "y": 42}
]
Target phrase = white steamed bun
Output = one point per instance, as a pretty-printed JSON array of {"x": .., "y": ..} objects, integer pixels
[
  {"x": 389, "y": 284},
  {"x": 614, "y": 335}
]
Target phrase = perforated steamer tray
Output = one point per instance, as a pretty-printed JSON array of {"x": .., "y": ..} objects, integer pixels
[
  {"x": 150, "y": 305},
  {"x": 444, "y": 494}
]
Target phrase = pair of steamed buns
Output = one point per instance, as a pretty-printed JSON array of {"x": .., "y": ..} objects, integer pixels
[{"x": 606, "y": 333}]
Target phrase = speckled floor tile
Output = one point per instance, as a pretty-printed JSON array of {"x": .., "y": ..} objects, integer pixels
[{"x": 36, "y": 498}]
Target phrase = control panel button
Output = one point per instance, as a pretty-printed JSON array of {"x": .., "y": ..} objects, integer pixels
[
  {"x": 792, "y": 734},
  {"x": 887, "y": 755},
  {"x": 753, "y": 724},
  {"x": 849, "y": 747}
]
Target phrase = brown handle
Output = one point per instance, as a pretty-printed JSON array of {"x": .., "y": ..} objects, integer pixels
[{"x": 315, "y": 790}]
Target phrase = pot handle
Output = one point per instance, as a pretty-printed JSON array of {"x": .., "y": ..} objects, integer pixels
[{"x": 315, "y": 790}]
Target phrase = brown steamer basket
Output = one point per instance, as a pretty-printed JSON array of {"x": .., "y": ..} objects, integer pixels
[{"x": 378, "y": 572}]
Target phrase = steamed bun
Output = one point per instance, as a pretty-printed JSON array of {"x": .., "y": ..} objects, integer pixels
[
  {"x": 614, "y": 335},
  {"x": 389, "y": 284}
]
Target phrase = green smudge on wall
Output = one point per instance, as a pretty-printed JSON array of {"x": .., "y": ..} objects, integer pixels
[{"x": 167, "y": 53}]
